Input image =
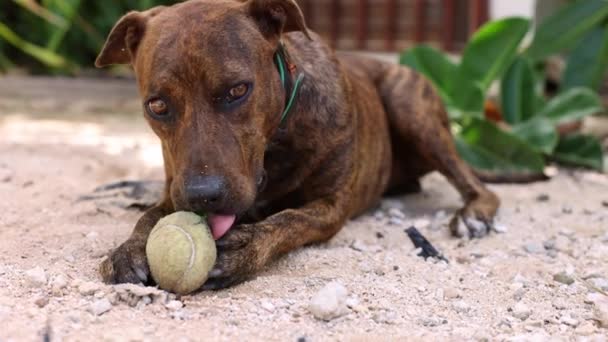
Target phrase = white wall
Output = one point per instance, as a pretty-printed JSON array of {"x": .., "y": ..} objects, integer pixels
[{"x": 509, "y": 8}]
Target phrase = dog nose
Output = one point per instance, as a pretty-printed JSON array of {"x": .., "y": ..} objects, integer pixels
[{"x": 205, "y": 193}]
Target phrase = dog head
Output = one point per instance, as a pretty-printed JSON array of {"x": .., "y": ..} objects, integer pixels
[{"x": 210, "y": 91}]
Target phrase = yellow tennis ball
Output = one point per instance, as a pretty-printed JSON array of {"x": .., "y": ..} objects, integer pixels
[{"x": 181, "y": 252}]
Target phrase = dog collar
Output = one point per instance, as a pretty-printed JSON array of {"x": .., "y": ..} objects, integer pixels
[{"x": 287, "y": 71}]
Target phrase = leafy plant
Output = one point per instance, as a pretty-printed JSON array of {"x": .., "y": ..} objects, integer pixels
[
  {"x": 527, "y": 135},
  {"x": 58, "y": 36}
]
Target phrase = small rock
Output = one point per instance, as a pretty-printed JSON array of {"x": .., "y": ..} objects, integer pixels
[
  {"x": 605, "y": 204},
  {"x": 422, "y": 223},
  {"x": 542, "y": 198},
  {"x": 534, "y": 248},
  {"x": 568, "y": 320},
  {"x": 560, "y": 304},
  {"x": 599, "y": 283},
  {"x": 359, "y": 246},
  {"x": 564, "y": 278},
  {"x": 92, "y": 236},
  {"x": 396, "y": 213},
  {"x": 329, "y": 302},
  {"x": 433, "y": 321},
  {"x": 461, "y": 306},
  {"x": 174, "y": 305},
  {"x": 59, "y": 282},
  {"x": 69, "y": 258},
  {"x": 41, "y": 301},
  {"x": 35, "y": 277},
  {"x": 521, "y": 311},
  {"x": 395, "y": 221},
  {"x": 500, "y": 228},
  {"x": 451, "y": 293},
  {"x": 566, "y": 209},
  {"x": 100, "y": 306},
  {"x": 585, "y": 329},
  {"x": 266, "y": 305},
  {"x": 600, "y": 311},
  {"x": 385, "y": 317},
  {"x": 88, "y": 288}
]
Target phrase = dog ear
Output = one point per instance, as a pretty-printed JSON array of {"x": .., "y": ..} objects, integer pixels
[
  {"x": 275, "y": 17},
  {"x": 123, "y": 40}
]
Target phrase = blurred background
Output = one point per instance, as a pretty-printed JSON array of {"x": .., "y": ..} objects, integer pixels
[
  {"x": 523, "y": 81},
  {"x": 64, "y": 36}
]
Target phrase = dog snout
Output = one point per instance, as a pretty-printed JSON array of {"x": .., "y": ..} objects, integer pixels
[{"x": 205, "y": 193}]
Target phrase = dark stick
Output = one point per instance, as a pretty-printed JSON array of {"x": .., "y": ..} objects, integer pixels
[{"x": 419, "y": 241}]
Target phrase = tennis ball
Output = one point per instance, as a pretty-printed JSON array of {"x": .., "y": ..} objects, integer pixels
[{"x": 181, "y": 252}]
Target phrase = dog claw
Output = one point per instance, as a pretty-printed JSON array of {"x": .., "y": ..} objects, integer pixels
[
  {"x": 126, "y": 264},
  {"x": 469, "y": 227}
]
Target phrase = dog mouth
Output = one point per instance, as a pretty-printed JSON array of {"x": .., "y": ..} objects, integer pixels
[{"x": 220, "y": 224}]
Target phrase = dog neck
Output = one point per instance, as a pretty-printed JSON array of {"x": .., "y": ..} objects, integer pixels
[{"x": 291, "y": 79}]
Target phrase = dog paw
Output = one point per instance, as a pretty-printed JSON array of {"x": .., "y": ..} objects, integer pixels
[
  {"x": 474, "y": 221},
  {"x": 238, "y": 258},
  {"x": 126, "y": 264}
]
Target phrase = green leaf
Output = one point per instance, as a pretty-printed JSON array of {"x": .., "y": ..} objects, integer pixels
[
  {"x": 491, "y": 50},
  {"x": 463, "y": 101},
  {"x": 539, "y": 133},
  {"x": 580, "y": 150},
  {"x": 518, "y": 99},
  {"x": 587, "y": 63},
  {"x": 572, "y": 105},
  {"x": 44, "y": 56},
  {"x": 563, "y": 29},
  {"x": 486, "y": 147},
  {"x": 433, "y": 64}
]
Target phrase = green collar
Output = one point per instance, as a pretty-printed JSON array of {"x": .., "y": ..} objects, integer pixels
[{"x": 291, "y": 86}]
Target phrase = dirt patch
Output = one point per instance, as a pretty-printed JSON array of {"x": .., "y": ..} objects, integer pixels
[{"x": 542, "y": 277}]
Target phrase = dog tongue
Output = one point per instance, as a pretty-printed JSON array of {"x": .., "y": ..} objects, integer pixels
[{"x": 220, "y": 224}]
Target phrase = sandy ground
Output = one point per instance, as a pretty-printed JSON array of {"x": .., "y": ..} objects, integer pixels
[{"x": 55, "y": 149}]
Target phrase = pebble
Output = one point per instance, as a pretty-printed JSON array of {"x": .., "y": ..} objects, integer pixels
[
  {"x": 174, "y": 305},
  {"x": 521, "y": 311},
  {"x": 564, "y": 278},
  {"x": 542, "y": 198},
  {"x": 568, "y": 320},
  {"x": 600, "y": 311},
  {"x": 566, "y": 209},
  {"x": 560, "y": 304},
  {"x": 395, "y": 221},
  {"x": 500, "y": 228},
  {"x": 422, "y": 223},
  {"x": 534, "y": 248},
  {"x": 268, "y": 306},
  {"x": 329, "y": 302},
  {"x": 451, "y": 293},
  {"x": 88, "y": 288},
  {"x": 599, "y": 283},
  {"x": 41, "y": 301},
  {"x": 100, "y": 306},
  {"x": 396, "y": 213},
  {"x": 35, "y": 277},
  {"x": 58, "y": 283},
  {"x": 585, "y": 329},
  {"x": 461, "y": 306},
  {"x": 385, "y": 317}
]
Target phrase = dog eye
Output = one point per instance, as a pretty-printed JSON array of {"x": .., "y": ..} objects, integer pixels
[
  {"x": 237, "y": 92},
  {"x": 158, "y": 107},
  {"x": 233, "y": 95}
]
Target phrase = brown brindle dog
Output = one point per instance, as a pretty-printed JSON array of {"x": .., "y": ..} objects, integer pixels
[{"x": 357, "y": 129}]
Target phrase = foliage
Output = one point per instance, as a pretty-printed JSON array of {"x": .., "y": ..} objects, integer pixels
[
  {"x": 527, "y": 135},
  {"x": 59, "y": 35}
]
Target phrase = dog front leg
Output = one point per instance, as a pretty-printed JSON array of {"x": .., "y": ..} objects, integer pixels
[
  {"x": 128, "y": 262},
  {"x": 246, "y": 249}
]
